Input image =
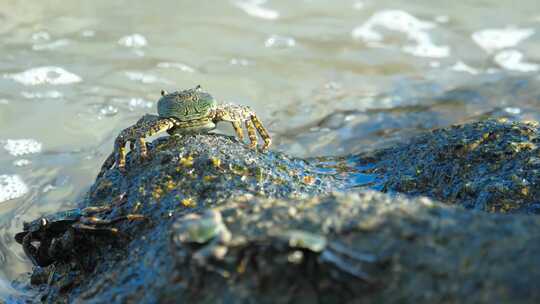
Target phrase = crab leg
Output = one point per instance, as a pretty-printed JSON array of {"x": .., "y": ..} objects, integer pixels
[
  {"x": 251, "y": 133},
  {"x": 236, "y": 115},
  {"x": 262, "y": 131},
  {"x": 95, "y": 209},
  {"x": 37, "y": 256},
  {"x": 97, "y": 221},
  {"x": 29, "y": 249},
  {"x": 238, "y": 129},
  {"x": 148, "y": 125},
  {"x": 80, "y": 226}
]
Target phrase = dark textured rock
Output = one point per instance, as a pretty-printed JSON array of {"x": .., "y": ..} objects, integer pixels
[
  {"x": 365, "y": 247},
  {"x": 232, "y": 225},
  {"x": 489, "y": 165}
]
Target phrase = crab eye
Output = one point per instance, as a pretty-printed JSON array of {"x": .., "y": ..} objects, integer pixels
[
  {"x": 198, "y": 87},
  {"x": 163, "y": 93},
  {"x": 44, "y": 221}
]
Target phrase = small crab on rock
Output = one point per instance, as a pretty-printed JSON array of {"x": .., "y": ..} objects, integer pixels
[{"x": 185, "y": 112}]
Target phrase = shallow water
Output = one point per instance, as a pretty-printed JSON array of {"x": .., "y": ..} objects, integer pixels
[{"x": 327, "y": 78}]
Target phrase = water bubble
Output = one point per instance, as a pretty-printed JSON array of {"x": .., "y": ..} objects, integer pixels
[
  {"x": 39, "y": 95},
  {"x": 495, "y": 39},
  {"x": 21, "y": 162},
  {"x": 88, "y": 33},
  {"x": 276, "y": 41},
  {"x": 18, "y": 147},
  {"x": 176, "y": 65},
  {"x": 46, "y": 74},
  {"x": 11, "y": 186},
  {"x": 51, "y": 46},
  {"x": 513, "y": 60},
  {"x": 460, "y": 66},
  {"x": 144, "y": 78},
  {"x": 442, "y": 19},
  {"x": 512, "y": 110},
  {"x": 402, "y": 22},
  {"x": 139, "y": 103},
  {"x": 239, "y": 61},
  {"x": 108, "y": 110},
  {"x": 41, "y": 36},
  {"x": 133, "y": 41},
  {"x": 254, "y": 9}
]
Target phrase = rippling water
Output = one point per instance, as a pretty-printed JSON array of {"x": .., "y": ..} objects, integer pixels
[{"x": 327, "y": 78}]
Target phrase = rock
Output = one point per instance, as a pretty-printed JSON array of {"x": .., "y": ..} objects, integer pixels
[
  {"x": 229, "y": 224},
  {"x": 489, "y": 165},
  {"x": 336, "y": 248}
]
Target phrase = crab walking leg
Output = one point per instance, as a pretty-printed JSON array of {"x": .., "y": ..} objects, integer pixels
[
  {"x": 107, "y": 164},
  {"x": 262, "y": 131},
  {"x": 29, "y": 249},
  {"x": 143, "y": 151},
  {"x": 238, "y": 129},
  {"x": 95, "y": 209},
  {"x": 97, "y": 221},
  {"x": 252, "y": 133},
  {"x": 137, "y": 133},
  {"x": 120, "y": 152},
  {"x": 85, "y": 227},
  {"x": 237, "y": 114},
  {"x": 39, "y": 256}
]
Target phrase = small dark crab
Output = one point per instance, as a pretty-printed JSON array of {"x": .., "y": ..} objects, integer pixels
[
  {"x": 185, "y": 112},
  {"x": 56, "y": 234}
]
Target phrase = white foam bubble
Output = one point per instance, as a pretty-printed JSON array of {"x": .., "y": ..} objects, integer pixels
[
  {"x": 18, "y": 147},
  {"x": 41, "y": 36},
  {"x": 176, "y": 65},
  {"x": 415, "y": 29},
  {"x": 133, "y": 41},
  {"x": 280, "y": 42},
  {"x": 442, "y": 19},
  {"x": 140, "y": 103},
  {"x": 144, "y": 78},
  {"x": 460, "y": 66},
  {"x": 46, "y": 74},
  {"x": 46, "y": 94},
  {"x": 51, "y": 45},
  {"x": 512, "y": 110},
  {"x": 495, "y": 39},
  {"x": 254, "y": 8},
  {"x": 108, "y": 110},
  {"x": 240, "y": 61},
  {"x": 513, "y": 60},
  {"x": 88, "y": 33},
  {"x": 11, "y": 186},
  {"x": 21, "y": 162}
]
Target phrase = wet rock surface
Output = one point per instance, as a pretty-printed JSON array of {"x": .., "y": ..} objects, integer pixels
[
  {"x": 489, "y": 165},
  {"x": 232, "y": 225}
]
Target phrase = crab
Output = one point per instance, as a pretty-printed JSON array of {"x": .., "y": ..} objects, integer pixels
[
  {"x": 57, "y": 233},
  {"x": 185, "y": 112}
]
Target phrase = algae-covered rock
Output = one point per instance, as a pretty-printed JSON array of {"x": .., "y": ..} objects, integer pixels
[
  {"x": 228, "y": 224},
  {"x": 194, "y": 172},
  {"x": 489, "y": 165},
  {"x": 339, "y": 248}
]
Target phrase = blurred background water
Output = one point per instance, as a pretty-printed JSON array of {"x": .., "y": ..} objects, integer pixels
[{"x": 327, "y": 77}]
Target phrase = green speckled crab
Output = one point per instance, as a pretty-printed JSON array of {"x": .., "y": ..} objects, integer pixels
[{"x": 185, "y": 112}]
